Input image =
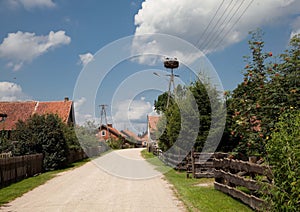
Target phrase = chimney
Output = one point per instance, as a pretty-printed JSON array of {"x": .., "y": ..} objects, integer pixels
[{"x": 66, "y": 99}]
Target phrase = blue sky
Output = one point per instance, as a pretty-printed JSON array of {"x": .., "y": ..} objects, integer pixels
[{"x": 45, "y": 45}]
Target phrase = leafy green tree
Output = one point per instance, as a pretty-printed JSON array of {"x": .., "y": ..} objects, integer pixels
[
  {"x": 43, "y": 134},
  {"x": 268, "y": 90},
  {"x": 5, "y": 144},
  {"x": 86, "y": 135},
  {"x": 247, "y": 106},
  {"x": 187, "y": 120}
]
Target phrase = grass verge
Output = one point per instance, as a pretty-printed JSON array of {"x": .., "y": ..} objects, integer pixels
[
  {"x": 198, "y": 194},
  {"x": 15, "y": 190}
]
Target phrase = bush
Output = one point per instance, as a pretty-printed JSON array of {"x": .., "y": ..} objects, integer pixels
[
  {"x": 43, "y": 134},
  {"x": 284, "y": 157}
]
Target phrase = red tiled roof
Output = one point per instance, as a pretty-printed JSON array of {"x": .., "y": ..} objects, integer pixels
[
  {"x": 15, "y": 111},
  {"x": 23, "y": 110},
  {"x": 145, "y": 137},
  {"x": 61, "y": 108},
  {"x": 131, "y": 135},
  {"x": 113, "y": 131},
  {"x": 152, "y": 122}
]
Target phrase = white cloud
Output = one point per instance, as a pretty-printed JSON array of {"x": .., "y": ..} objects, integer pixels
[
  {"x": 29, "y": 4},
  {"x": 295, "y": 32},
  {"x": 86, "y": 58},
  {"x": 188, "y": 20},
  {"x": 131, "y": 114},
  {"x": 21, "y": 47},
  {"x": 81, "y": 114},
  {"x": 11, "y": 92},
  {"x": 295, "y": 27}
]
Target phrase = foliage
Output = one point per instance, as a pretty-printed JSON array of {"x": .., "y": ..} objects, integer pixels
[
  {"x": 187, "y": 120},
  {"x": 5, "y": 144},
  {"x": 86, "y": 135},
  {"x": 115, "y": 143},
  {"x": 284, "y": 157},
  {"x": 43, "y": 134},
  {"x": 268, "y": 90},
  {"x": 71, "y": 138}
]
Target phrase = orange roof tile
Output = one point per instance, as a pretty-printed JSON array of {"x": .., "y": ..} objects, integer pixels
[
  {"x": 23, "y": 110},
  {"x": 15, "y": 111},
  {"x": 112, "y": 130},
  {"x": 61, "y": 108},
  {"x": 130, "y": 134},
  {"x": 152, "y": 121}
]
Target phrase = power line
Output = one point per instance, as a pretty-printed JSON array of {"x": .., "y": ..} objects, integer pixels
[
  {"x": 216, "y": 24},
  {"x": 239, "y": 18},
  {"x": 211, "y": 20},
  {"x": 217, "y": 35}
]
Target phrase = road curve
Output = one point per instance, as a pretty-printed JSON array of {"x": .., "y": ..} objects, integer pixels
[{"x": 118, "y": 181}]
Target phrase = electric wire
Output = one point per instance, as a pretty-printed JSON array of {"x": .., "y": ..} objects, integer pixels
[
  {"x": 216, "y": 24},
  {"x": 224, "y": 25},
  {"x": 238, "y": 19},
  {"x": 209, "y": 24}
]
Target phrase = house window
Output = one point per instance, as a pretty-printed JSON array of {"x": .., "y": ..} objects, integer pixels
[{"x": 103, "y": 133}]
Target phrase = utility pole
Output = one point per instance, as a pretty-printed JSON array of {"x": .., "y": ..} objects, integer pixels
[
  {"x": 171, "y": 63},
  {"x": 103, "y": 115}
]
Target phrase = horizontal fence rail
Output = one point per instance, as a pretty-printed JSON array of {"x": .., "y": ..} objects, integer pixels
[
  {"x": 238, "y": 179},
  {"x": 201, "y": 164},
  {"x": 13, "y": 169}
]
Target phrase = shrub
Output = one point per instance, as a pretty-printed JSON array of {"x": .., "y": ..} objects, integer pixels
[
  {"x": 284, "y": 157},
  {"x": 43, "y": 134}
]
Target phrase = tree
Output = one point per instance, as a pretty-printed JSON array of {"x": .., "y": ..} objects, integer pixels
[
  {"x": 43, "y": 134},
  {"x": 187, "y": 119},
  {"x": 247, "y": 105},
  {"x": 268, "y": 90}
]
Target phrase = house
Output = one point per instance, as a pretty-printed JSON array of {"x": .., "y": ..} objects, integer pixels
[
  {"x": 144, "y": 138},
  {"x": 133, "y": 137},
  {"x": 108, "y": 132},
  {"x": 12, "y": 112},
  {"x": 152, "y": 122}
]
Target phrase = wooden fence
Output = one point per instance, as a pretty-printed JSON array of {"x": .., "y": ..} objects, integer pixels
[
  {"x": 77, "y": 155},
  {"x": 201, "y": 164},
  {"x": 238, "y": 179},
  {"x": 14, "y": 169},
  {"x": 6, "y": 155},
  {"x": 178, "y": 161}
]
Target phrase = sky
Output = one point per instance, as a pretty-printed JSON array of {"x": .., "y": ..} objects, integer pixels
[{"x": 51, "y": 49}]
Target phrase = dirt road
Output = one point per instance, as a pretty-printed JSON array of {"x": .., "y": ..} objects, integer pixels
[{"x": 118, "y": 181}]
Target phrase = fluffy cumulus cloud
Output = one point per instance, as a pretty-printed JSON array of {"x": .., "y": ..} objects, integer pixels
[
  {"x": 131, "y": 114},
  {"x": 211, "y": 25},
  {"x": 86, "y": 58},
  {"x": 23, "y": 47},
  {"x": 295, "y": 27},
  {"x": 29, "y": 4},
  {"x": 81, "y": 117},
  {"x": 10, "y": 91}
]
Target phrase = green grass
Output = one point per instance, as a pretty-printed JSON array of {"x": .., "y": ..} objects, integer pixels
[
  {"x": 15, "y": 190},
  {"x": 198, "y": 198}
]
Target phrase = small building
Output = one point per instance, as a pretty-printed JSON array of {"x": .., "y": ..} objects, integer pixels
[
  {"x": 144, "y": 138},
  {"x": 131, "y": 136},
  {"x": 108, "y": 132},
  {"x": 152, "y": 122},
  {"x": 15, "y": 111}
]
